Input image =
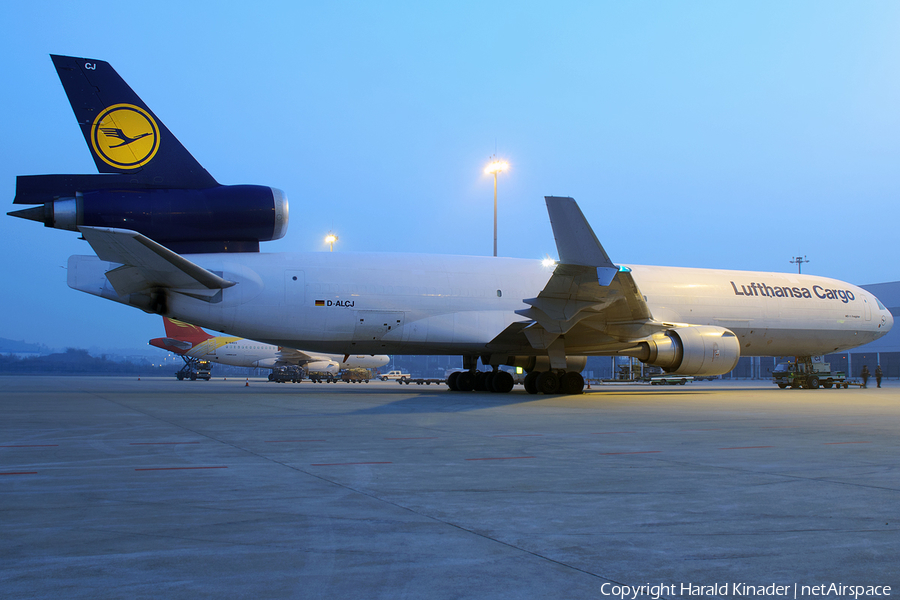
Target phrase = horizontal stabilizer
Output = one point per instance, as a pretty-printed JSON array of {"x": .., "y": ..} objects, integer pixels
[
  {"x": 147, "y": 265},
  {"x": 173, "y": 343},
  {"x": 38, "y": 189}
]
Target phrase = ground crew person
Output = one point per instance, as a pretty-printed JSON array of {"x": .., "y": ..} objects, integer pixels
[
  {"x": 878, "y": 375},
  {"x": 865, "y": 375}
]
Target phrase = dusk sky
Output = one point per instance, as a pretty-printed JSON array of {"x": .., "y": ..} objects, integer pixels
[{"x": 699, "y": 134}]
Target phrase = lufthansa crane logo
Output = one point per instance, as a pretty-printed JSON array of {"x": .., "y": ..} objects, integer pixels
[{"x": 125, "y": 136}]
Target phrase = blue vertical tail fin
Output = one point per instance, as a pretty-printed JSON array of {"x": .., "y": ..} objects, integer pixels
[{"x": 122, "y": 133}]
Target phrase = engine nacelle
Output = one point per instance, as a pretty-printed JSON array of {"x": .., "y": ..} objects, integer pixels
[
  {"x": 323, "y": 366},
  {"x": 702, "y": 350},
  {"x": 217, "y": 219}
]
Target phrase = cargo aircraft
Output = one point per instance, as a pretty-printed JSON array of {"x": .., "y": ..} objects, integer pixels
[
  {"x": 191, "y": 342},
  {"x": 169, "y": 239}
]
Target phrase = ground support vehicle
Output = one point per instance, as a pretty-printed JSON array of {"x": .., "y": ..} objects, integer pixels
[
  {"x": 322, "y": 377},
  {"x": 292, "y": 374},
  {"x": 357, "y": 375},
  {"x": 847, "y": 384},
  {"x": 421, "y": 381},
  {"x": 804, "y": 373},
  {"x": 194, "y": 369},
  {"x": 670, "y": 380},
  {"x": 398, "y": 375}
]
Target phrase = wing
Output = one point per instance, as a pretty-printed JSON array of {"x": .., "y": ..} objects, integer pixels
[
  {"x": 292, "y": 356},
  {"x": 589, "y": 305},
  {"x": 146, "y": 265}
]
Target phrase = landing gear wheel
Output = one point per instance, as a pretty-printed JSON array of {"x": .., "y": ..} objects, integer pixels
[
  {"x": 451, "y": 381},
  {"x": 466, "y": 381},
  {"x": 503, "y": 382},
  {"x": 548, "y": 383},
  {"x": 531, "y": 382},
  {"x": 489, "y": 381},
  {"x": 571, "y": 383},
  {"x": 479, "y": 381},
  {"x": 828, "y": 385}
]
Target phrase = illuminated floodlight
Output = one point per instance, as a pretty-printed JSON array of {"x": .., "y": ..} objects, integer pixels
[
  {"x": 494, "y": 167},
  {"x": 330, "y": 239},
  {"x": 548, "y": 263}
]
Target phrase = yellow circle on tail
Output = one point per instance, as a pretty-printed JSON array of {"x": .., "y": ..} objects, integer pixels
[{"x": 125, "y": 136}]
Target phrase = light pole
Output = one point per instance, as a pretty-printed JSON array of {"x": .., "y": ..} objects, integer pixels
[
  {"x": 330, "y": 239},
  {"x": 799, "y": 260},
  {"x": 494, "y": 167}
]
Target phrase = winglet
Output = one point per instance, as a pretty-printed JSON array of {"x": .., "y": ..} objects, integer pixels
[{"x": 575, "y": 240}]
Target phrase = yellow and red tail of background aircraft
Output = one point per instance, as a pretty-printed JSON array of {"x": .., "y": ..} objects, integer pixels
[{"x": 185, "y": 331}]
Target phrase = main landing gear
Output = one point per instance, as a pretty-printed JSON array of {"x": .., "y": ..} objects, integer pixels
[
  {"x": 481, "y": 381},
  {"x": 546, "y": 382},
  {"x": 553, "y": 382},
  {"x": 559, "y": 375}
]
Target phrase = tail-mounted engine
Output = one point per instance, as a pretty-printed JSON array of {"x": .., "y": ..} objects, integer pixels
[{"x": 225, "y": 218}]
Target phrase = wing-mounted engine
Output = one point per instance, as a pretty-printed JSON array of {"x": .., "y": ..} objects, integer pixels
[
  {"x": 323, "y": 366},
  {"x": 700, "y": 350}
]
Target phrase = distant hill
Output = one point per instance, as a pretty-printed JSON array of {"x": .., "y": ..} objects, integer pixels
[
  {"x": 22, "y": 347},
  {"x": 74, "y": 362}
]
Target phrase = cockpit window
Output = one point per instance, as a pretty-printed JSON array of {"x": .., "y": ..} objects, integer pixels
[{"x": 880, "y": 305}]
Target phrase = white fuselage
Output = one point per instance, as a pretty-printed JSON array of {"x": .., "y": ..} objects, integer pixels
[
  {"x": 427, "y": 304},
  {"x": 241, "y": 352}
]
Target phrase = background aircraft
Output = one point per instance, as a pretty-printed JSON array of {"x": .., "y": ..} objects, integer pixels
[
  {"x": 191, "y": 341},
  {"x": 505, "y": 311}
]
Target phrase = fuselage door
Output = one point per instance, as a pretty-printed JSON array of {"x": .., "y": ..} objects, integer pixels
[
  {"x": 206, "y": 348},
  {"x": 868, "y": 308},
  {"x": 294, "y": 288}
]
